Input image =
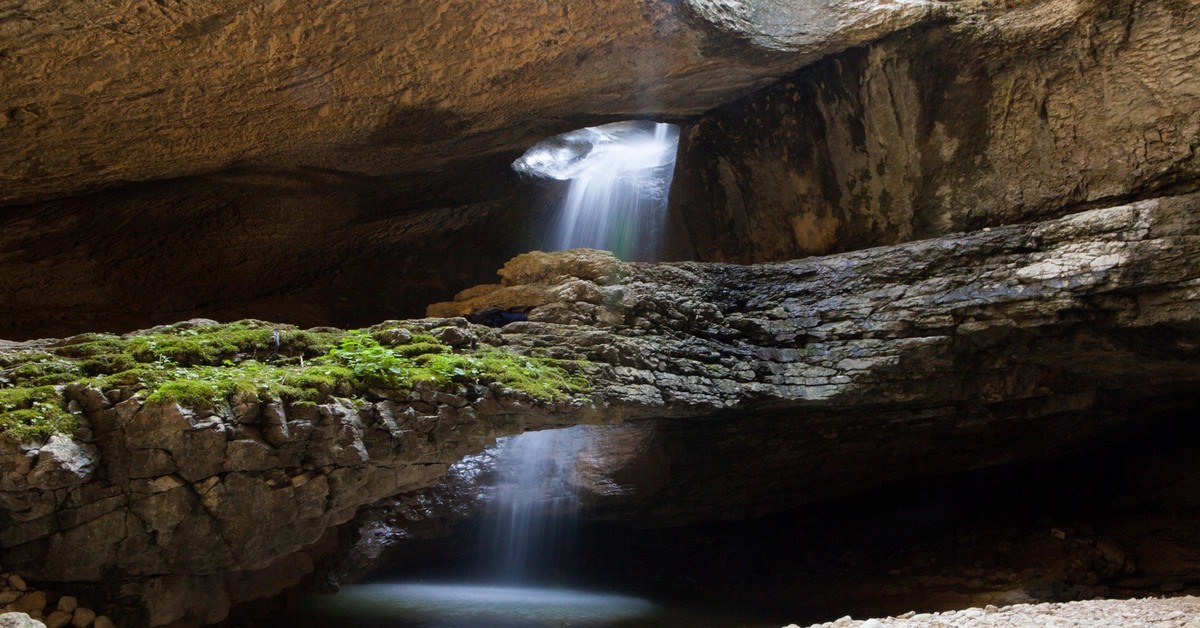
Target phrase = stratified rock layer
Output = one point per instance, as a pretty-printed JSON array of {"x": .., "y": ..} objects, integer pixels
[{"x": 884, "y": 353}]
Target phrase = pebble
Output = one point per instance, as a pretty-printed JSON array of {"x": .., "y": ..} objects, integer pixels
[
  {"x": 19, "y": 601},
  {"x": 1179, "y": 612},
  {"x": 32, "y": 603},
  {"x": 83, "y": 617},
  {"x": 58, "y": 619}
]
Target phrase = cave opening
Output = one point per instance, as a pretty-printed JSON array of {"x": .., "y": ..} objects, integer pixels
[
  {"x": 619, "y": 178},
  {"x": 1114, "y": 517}
]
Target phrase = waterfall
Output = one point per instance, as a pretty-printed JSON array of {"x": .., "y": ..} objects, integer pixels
[
  {"x": 620, "y": 175},
  {"x": 534, "y": 506}
]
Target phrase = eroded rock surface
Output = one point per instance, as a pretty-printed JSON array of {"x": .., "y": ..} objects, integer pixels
[
  {"x": 98, "y": 94},
  {"x": 1042, "y": 110}
]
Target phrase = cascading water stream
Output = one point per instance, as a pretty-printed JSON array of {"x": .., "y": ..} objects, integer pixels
[
  {"x": 534, "y": 504},
  {"x": 616, "y": 200},
  {"x": 620, "y": 175}
]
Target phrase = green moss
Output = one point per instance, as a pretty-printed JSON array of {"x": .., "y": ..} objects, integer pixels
[
  {"x": 193, "y": 346},
  {"x": 30, "y": 413},
  {"x": 198, "y": 345},
  {"x": 541, "y": 378},
  {"x": 37, "y": 368},
  {"x": 206, "y": 366},
  {"x": 420, "y": 348},
  {"x": 187, "y": 392},
  {"x": 375, "y": 366},
  {"x": 209, "y": 386},
  {"x": 107, "y": 363},
  {"x": 88, "y": 345}
]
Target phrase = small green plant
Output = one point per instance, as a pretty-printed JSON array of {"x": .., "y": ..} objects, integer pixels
[{"x": 370, "y": 362}]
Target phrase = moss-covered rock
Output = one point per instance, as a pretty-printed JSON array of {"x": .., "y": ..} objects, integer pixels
[{"x": 202, "y": 364}]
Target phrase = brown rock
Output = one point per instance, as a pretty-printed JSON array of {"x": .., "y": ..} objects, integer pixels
[
  {"x": 529, "y": 64},
  {"x": 83, "y": 617},
  {"x": 67, "y": 604},
  {"x": 31, "y": 602},
  {"x": 58, "y": 619},
  {"x": 102, "y": 621}
]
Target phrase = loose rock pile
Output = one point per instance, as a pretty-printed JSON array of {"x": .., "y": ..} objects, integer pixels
[
  {"x": 1181, "y": 612},
  {"x": 23, "y": 607}
]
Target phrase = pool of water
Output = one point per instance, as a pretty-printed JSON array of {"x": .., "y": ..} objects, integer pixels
[{"x": 423, "y": 605}]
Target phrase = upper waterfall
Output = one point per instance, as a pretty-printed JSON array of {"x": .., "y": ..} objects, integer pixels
[{"x": 620, "y": 175}]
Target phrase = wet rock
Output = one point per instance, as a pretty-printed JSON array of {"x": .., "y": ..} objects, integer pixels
[{"x": 63, "y": 462}]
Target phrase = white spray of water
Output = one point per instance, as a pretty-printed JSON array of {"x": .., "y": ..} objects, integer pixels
[
  {"x": 535, "y": 503},
  {"x": 619, "y": 176}
]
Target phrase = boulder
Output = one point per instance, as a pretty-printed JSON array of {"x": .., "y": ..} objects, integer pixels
[
  {"x": 63, "y": 462},
  {"x": 19, "y": 620}
]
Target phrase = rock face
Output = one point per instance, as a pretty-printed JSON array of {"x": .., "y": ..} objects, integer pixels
[
  {"x": 314, "y": 248},
  {"x": 364, "y": 87},
  {"x": 316, "y": 159},
  {"x": 1047, "y": 109},
  {"x": 878, "y": 355},
  {"x": 1012, "y": 370},
  {"x": 192, "y": 511},
  {"x": 801, "y": 25},
  {"x": 958, "y": 355}
]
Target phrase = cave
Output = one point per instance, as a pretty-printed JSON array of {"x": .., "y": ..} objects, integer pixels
[{"x": 807, "y": 313}]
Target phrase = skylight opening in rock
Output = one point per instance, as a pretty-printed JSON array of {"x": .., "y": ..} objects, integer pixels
[{"x": 620, "y": 176}]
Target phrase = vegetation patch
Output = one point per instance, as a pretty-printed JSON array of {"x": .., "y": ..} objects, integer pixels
[
  {"x": 400, "y": 368},
  {"x": 205, "y": 366},
  {"x": 27, "y": 413}
]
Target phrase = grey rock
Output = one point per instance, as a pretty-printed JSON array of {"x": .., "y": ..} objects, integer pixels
[
  {"x": 63, "y": 462},
  {"x": 19, "y": 620}
]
